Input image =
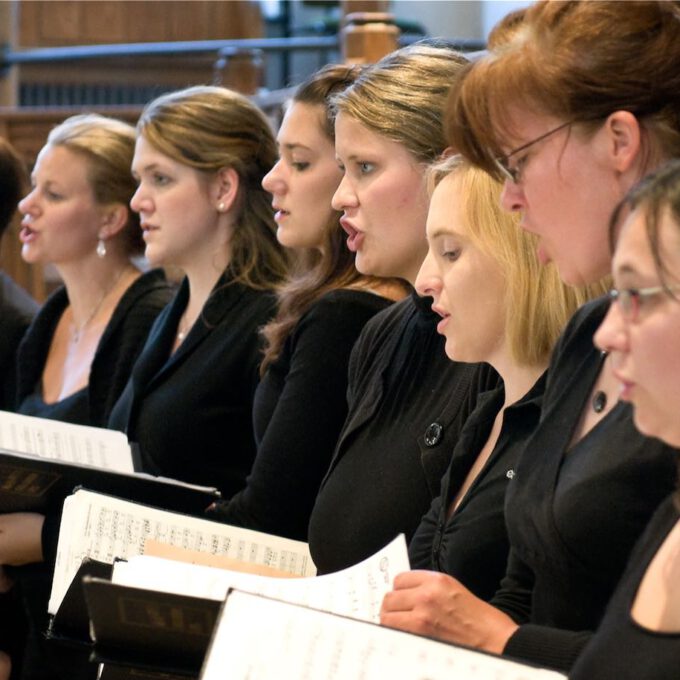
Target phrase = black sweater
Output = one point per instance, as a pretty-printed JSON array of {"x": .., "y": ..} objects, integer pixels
[
  {"x": 299, "y": 408},
  {"x": 407, "y": 403},
  {"x": 17, "y": 309},
  {"x": 621, "y": 649},
  {"x": 574, "y": 514},
  {"x": 117, "y": 350},
  {"x": 190, "y": 411},
  {"x": 472, "y": 543}
]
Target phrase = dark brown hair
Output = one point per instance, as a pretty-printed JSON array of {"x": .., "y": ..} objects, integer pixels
[
  {"x": 575, "y": 61},
  {"x": 13, "y": 184},
  {"x": 317, "y": 272}
]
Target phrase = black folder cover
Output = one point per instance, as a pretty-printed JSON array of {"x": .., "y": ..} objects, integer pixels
[
  {"x": 71, "y": 623},
  {"x": 149, "y": 630},
  {"x": 30, "y": 483}
]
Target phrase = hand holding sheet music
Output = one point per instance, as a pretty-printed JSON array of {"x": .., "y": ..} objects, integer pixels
[{"x": 305, "y": 643}]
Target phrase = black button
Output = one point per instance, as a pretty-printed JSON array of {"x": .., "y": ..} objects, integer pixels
[{"x": 433, "y": 434}]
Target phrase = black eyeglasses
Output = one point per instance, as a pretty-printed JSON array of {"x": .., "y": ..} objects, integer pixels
[
  {"x": 514, "y": 175},
  {"x": 630, "y": 300}
]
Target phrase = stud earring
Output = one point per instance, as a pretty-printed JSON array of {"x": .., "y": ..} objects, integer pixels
[
  {"x": 101, "y": 248},
  {"x": 221, "y": 207}
]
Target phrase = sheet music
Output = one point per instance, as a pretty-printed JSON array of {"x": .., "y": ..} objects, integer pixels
[
  {"x": 357, "y": 591},
  {"x": 104, "y": 528},
  {"x": 257, "y": 639},
  {"x": 66, "y": 442}
]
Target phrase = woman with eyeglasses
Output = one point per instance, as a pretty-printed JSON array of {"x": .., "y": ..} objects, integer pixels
[
  {"x": 639, "y": 637},
  {"x": 571, "y": 122}
]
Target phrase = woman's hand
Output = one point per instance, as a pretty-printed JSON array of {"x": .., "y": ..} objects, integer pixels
[
  {"x": 435, "y": 604},
  {"x": 21, "y": 538}
]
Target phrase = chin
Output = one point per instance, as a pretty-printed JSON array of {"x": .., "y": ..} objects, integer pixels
[{"x": 667, "y": 431}]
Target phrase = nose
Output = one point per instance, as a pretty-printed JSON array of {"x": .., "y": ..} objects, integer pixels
[
  {"x": 27, "y": 204},
  {"x": 139, "y": 201},
  {"x": 273, "y": 180},
  {"x": 428, "y": 281},
  {"x": 612, "y": 335},
  {"x": 344, "y": 196},
  {"x": 512, "y": 197}
]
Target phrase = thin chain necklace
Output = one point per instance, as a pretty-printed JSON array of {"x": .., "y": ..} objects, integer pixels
[{"x": 78, "y": 332}]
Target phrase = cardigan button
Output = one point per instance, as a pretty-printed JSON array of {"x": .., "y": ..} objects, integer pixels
[{"x": 434, "y": 434}]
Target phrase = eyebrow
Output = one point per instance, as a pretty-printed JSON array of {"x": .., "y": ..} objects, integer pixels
[
  {"x": 444, "y": 231},
  {"x": 295, "y": 145}
]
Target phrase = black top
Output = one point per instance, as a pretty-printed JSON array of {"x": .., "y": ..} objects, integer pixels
[
  {"x": 407, "y": 403},
  {"x": 118, "y": 348},
  {"x": 621, "y": 649},
  {"x": 573, "y": 515},
  {"x": 299, "y": 408},
  {"x": 190, "y": 411},
  {"x": 17, "y": 309},
  {"x": 472, "y": 544}
]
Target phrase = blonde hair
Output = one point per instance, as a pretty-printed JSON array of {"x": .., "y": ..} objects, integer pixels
[
  {"x": 210, "y": 128},
  {"x": 538, "y": 305},
  {"x": 402, "y": 97},
  {"x": 108, "y": 146}
]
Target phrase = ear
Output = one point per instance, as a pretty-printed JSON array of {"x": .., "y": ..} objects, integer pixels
[
  {"x": 226, "y": 189},
  {"x": 114, "y": 217},
  {"x": 623, "y": 140}
]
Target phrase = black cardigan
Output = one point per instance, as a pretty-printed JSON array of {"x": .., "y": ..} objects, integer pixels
[
  {"x": 574, "y": 514},
  {"x": 472, "y": 543},
  {"x": 117, "y": 350},
  {"x": 17, "y": 309},
  {"x": 299, "y": 409},
  {"x": 407, "y": 403},
  {"x": 190, "y": 411}
]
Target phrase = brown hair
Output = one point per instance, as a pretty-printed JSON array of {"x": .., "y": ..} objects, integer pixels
[
  {"x": 538, "y": 305},
  {"x": 108, "y": 146},
  {"x": 13, "y": 184},
  {"x": 332, "y": 267},
  {"x": 210, "y": 128},
  {"x": 402, "y": 97},
  {"x": 576, "y": 61}
]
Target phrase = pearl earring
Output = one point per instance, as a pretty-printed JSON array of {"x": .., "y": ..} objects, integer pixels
[
  {"x": 101, "y": 248},
  {"x": 221, "y": 207}
]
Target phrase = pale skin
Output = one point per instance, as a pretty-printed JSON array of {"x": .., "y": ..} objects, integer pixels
[
  {"x": 61, "y": 224},
  {"x": 439, "y": 605},
  {"x": 432, "y": 603},
  {"x": 187, "y": 219},
  {"x": 643, "y": 354}
]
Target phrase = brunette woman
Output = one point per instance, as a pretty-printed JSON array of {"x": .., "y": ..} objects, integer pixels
[
  {"x": 200, "y": 157},
  {"x": 300, "y": 405}
]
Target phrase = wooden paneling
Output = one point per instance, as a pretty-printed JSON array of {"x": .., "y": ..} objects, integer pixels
[{"x": 44, "y": 23}]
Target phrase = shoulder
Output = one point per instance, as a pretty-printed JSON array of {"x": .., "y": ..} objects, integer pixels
[
  {"x": 339, "y": 304},
  {"x": 383, "y": 326},
  {"x": 151, "y": 290},
  {"x": 583, "y": 324}
]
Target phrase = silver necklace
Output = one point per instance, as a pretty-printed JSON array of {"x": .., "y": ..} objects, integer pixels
[{"x": 78, "y": 332}]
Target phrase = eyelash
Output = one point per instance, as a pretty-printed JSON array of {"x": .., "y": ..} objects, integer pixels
[
  {"x": 451, "y": 255},
  {"x": 365, "y": 167},
  {"x": 300, "y": 166},
  {"x": 160, "y": 179}
]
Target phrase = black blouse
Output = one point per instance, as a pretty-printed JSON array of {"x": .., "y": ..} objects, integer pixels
[
  {"x": 472, "y": 543},
  {"x": 299, "y": 408},
  {"x": 621, "y": 649},
  {"x": 407, "y": 403},
  {"x": 574, "y": 514}
]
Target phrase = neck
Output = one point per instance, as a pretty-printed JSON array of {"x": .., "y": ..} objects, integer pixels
[
  {"x": 88, "y": 283},
  {"x": 517, "y": 380}
]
